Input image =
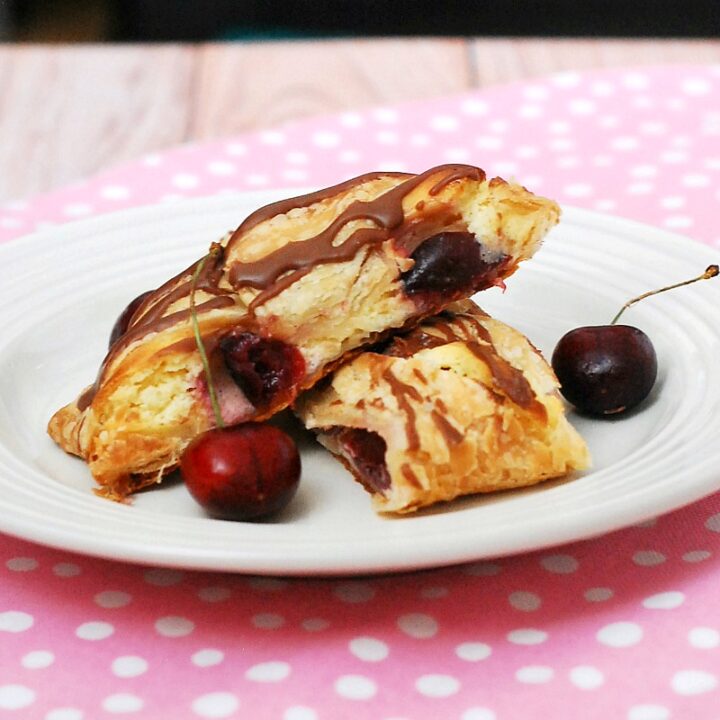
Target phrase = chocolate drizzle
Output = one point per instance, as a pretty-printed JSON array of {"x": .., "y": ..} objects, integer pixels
[{"x": 269, "y": 273}]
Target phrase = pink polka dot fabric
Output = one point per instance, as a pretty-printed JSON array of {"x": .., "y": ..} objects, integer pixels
[{"x": 624, "y": 626}]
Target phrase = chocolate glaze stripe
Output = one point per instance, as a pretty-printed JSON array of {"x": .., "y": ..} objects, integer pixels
[{"x": 297, "y": 258}]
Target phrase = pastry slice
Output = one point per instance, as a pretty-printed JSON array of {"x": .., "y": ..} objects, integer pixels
[
  {"x": 461, "y": 404},
  {"x": 300, "y": 285}
]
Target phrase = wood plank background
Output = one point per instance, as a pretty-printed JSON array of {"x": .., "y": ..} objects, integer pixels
[{"x": 67, "y": 111}]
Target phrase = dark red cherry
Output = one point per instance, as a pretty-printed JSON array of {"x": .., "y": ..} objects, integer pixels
[
  {"x": 245, "y": 472},
  {"x": 263, "y": 368},
  {"x": 605, "y": 369},
  {"x": 450, "y": 262},
  {"x": 121, "y": 324}
]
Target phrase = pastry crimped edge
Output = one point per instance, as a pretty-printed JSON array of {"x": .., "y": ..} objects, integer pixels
[
  {"x": 449, "y": 427},
  {"x": 150, "y": 399}
]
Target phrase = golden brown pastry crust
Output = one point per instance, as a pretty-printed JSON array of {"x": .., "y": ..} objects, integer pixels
[
  {"x": 462, "y": 404},
  {"x": 324, "y": 274}
]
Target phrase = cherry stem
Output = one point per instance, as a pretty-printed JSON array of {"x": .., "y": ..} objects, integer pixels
[
  {"x": 215, "y": 250},
  {"x": 710, "y": 272}
]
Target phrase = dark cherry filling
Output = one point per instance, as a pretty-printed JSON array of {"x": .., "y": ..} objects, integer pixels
[
  {"x": 122, "y": 323},
  {"x": 366, "y": 451},
  {"x": 450, "y": 263},
  {"x": 265, "y": 369}
]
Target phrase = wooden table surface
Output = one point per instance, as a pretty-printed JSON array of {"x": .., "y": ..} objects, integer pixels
[{"x": 69, "y": 111}]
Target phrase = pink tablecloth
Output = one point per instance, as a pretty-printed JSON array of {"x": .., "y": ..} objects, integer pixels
[{"x": 624, "y": 626}]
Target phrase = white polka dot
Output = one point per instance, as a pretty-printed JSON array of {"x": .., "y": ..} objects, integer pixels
[
  {"x": 354, "y": 592},
  {"x": 352, "y": 120},
  {"x": 129, "y": 666},
  {"x": 506, "y": 168},
  {"x": 536, "y": 92},
  {"x": 315, "y": 624},
  {"x": 635, "y": 81},
  {"x": 94, "y": 630},
  {"x": 482, "y": 569},
  {"x": 355, "y": 687},
  {"x": 66, "y": 713},
  {"x": 578, "y": 190},
  {"x": 235, "y": 148},
  {"x": 272, "y": 137},
  {"x": 489, "y": 142},
  {"x": 438, "y": 686},
  {"x": 525, "y": 601},
  {"x": 498, "y": 126},
  {"x": 296, "y": 157},
  {"x": 672, "y": 202},
  {"x": 644, "y": 171},
  {"x": 457, "y": 155},
  {"x": 368, "y": 649},
  {"x": 648, "y": 558},
  {"x": 349, "y": 156},
  {"x": 66, "y": 569},
  {"x": 695, "y": 180},
  {"x": 473, "y": 651},
  {"x": 268, "y": 621},
  {"x": 566, "y": 79},
  {"x": 678, "y": 221},
  {"x": 207, "y": 657},
  {"x": 387, "y": 137},
  {"x": 444, "y": 123},
  {"x": 530, "y": 111},
  {"x": 299, "y": 712},
  {"x": 561, "y": 144},
  {"x": 526, "y": 151},
  {"x": 625, "y": 142},
  {"x": 713, "y": 523},
  {"x": 535, "y": 674},
  {"x": 648, "y": 712},
  {"x": 605, "y": 205},
  {"x": 674, "y": 156},
  {"x": 696, "y": 86},
  {"x": 214, "y": 594},
  {"x": 221, "y": 168},
  {"x": 620, "y": 634},
  {"x": 664, "y": 601},
  {"x": 602, "y": 160},
  {"x": 693, "y": 682},
  {"x": 704, "y": 638},
  {"x": 152, "y": 160},
  {"x": 161, "y": 577},
  {"x": 419, "y": 139},
  {"x": 215, "y": 705},
  {"x": 15, "y": 697},
  {"x": 112, "y": 599},
  {"x": 325, "y": 139},
  {"x": 256, "y": 179},
  {"x": 560, "y": 564},
  {"x": 527, "y": 636},
  {"x": 695, "y": 556},
  {"x": 115, "y": 192},
  {"x": 268, "y": 672},
  {"x": 121, "y": 703},
  {"x": 77, "y": 209},
  {"x": 295, "y": 175},
  {"x": 38, "y": 659},
  {"x": 569, "y": 161},
  {"x": 474, "y": 106},
  {"x": 586, "y": 677},
  {"x": 640, "y": 188},
  {"x": 185, "y": 181},
  {"x": 602, "y": 88},
  {"x": 434, "y": 592},
  {"x": 478, "y": 713},
  {"x": 598, "y": 594},
  {"x": 15, "y": 621},
  {"x": 582, "y": 106},
  {"x": 10, "y": 223},
  {"x": 174, "y": 626},
  {"x": 418, "y": 625}
]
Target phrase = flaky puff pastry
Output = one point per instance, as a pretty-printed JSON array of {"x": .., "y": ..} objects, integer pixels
[
  {"x": 462, "y": 404},
  {"x": 299, "y": 286}
]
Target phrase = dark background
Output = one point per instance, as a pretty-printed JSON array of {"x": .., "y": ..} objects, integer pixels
[{"x": 201, "y": 20}]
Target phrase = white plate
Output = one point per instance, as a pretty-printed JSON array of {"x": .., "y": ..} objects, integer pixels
[{"x": 62, "y": 290}]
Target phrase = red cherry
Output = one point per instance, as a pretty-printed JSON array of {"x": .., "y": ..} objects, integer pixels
[
  {"x": 243, "y": 472},
  {"x": 121, "y": 324},
  {"x": 605, "y": 369}
]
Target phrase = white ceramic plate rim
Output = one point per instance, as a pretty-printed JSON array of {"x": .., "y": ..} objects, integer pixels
[{"x": 530, "y": 521}]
